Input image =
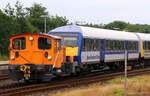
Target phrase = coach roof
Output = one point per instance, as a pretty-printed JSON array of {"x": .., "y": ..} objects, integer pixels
[
  {"x": 144, "y": 36},
  {"x": 91, "y": 32}
]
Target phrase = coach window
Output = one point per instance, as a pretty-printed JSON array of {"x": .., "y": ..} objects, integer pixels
[
  {"x": 132, "y": 45},
  {"x": 44, "y": 43},
  {"x": 148, "y": 45},
  {"x": 110, "y": 45},
  {"x": 83, "y": 45},
  {"x": 129, "y": 45},
  {"x": 96, "y": 45},
  {"x": 107, "y": 45},
  {"x": 70, "y": 41},
  {"x": 19, "y": 43},
  {"x": 87, "y": 44},
  {"x": 145, "y": 45},
  {"x": 135, "y": 45},
  {"x": 120, "y": 45},
  {"x": 91, "y": 44},
  {"x": 115, "y": 47}
]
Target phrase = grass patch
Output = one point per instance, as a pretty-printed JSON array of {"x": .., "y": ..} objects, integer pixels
[
  {"x": 118, "y": 92},
  {"x": 118, "y": 80},
  {"x": 137, "y": 86}
]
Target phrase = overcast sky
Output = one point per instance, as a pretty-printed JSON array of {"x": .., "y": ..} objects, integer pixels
[{"x": 95, "y": 11}]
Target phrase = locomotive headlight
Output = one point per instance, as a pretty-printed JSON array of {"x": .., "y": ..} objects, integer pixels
[
  {"x": 12, "y": 57},
  {"x": 49, "y": 57},
  {"x": 30, "y": 38}
]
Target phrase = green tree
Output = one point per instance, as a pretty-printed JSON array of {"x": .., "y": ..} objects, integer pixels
[
  {"x": 7, "y": 26},
  {"x": 56, "y": 21},
  {"x": 9, "y": 11},
  {"x": 34, "y": 16},
  {"x": 116, "y": 25},
  {"x": 138, "y": 28},
  {"x": 16, "y": 20}
]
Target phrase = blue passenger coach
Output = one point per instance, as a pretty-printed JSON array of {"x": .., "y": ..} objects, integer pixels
[{"x": 95, "y": 48}]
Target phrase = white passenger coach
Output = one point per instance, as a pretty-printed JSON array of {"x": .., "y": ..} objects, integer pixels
[{"x": 103, "y": 46}]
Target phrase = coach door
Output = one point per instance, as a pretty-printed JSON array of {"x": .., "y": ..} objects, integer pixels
[
  {"x": 71, "y": 44},
  {"x": 102, "y": 52}
]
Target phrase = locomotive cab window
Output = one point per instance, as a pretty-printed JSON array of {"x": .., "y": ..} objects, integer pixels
[
  {"x": 44, "y": 43},
  {"x": 19, "y": 43}
]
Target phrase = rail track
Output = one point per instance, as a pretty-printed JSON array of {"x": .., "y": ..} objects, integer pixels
[
  {"x": 3, "y": 67},
  {"x": 4, "y": 77},
  {"x": 64, "y": 83},
  {"x": 3, "y": 71}
]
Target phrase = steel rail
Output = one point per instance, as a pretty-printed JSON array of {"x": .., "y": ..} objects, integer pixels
[
  {"x": 4, "y": 77},
  {"x": 84, "y": 80}
]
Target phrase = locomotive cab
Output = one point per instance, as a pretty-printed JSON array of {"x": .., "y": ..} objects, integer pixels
[{"x": 33, "y": 56}]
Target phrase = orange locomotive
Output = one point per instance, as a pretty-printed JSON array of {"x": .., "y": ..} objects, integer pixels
[{"x": 35, "y": 56}]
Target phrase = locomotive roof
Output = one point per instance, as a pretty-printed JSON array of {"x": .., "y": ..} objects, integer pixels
[
  {"x": 90, "y": 32},
  {"x": 53, "y": 36}
]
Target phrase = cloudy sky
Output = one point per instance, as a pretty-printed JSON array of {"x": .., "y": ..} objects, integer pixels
[{"x": 94, "y": 11}]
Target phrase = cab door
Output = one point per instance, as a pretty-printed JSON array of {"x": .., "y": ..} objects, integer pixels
[
  {"x": 18, "y": 50},
  {"x": 44, "y": 50}
]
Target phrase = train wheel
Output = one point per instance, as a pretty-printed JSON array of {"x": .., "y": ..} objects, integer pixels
[
  {"x": 113, "y": 67},
  {"x": 39, "y": 81},
  {"x": 142, "y": 65},
  {"x": 27, "y": 81},
  {"x": 78, "y": 70}
]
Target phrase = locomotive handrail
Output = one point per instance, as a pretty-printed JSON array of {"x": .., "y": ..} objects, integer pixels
[
  {"x": 55, "y": 59},
  {"x": 25, "y": 59}
]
